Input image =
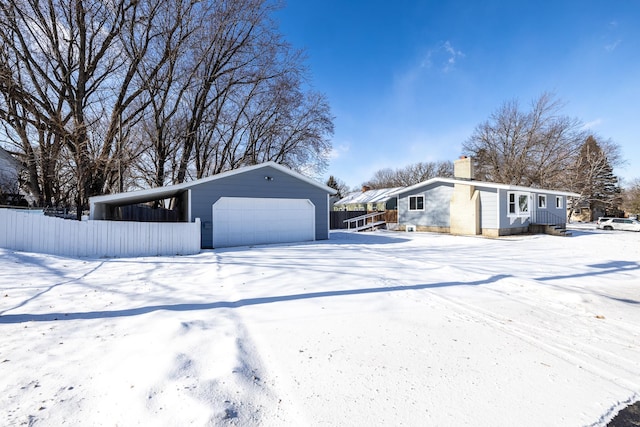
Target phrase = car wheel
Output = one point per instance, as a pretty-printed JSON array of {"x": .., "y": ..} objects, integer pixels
[{"x": 608, "y": 227}]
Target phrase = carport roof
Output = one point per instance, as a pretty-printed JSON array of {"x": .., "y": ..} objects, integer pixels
[{"x": 169, "y": 191}]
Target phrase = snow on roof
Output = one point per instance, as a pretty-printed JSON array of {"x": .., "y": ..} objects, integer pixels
[
  {"x": 7, "y": 159},
  {"x": 369, "y": 196},
  {"x": 484, "y": 184},
  {"x": 173, "y": 190}
]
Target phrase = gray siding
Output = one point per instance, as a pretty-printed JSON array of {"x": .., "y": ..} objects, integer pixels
[
  {"x": 488, "y": 206},
  {"x": 537, "y": 215},
  {"x": 437, "y": 199},
  {"x": 506, "y": 220},
  {"x": 253, "y": 184},
  {"x": 559, "y": 214}
]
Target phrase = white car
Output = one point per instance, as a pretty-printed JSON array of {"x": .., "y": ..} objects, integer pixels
[{"x": 618, "y": 224}]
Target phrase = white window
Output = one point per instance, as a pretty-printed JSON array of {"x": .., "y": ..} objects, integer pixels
[
  {"x": 518, "y": 204},
  {"x": 512, "y": 203},
  {"x": 559, "y": 202},
  {"x": 416, "y": 203},
  {"x": 542, "y": 201},
  {"x": 523, "y": 203}
]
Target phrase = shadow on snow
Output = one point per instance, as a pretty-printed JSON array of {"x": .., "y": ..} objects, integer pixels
[{"x": 20, "y": 318}]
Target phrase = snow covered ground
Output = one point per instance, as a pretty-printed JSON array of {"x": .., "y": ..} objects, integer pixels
[{"x": 379, "y": 328}]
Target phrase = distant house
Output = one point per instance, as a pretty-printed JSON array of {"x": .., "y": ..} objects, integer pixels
[
  {"x": 10, "y": 171},
  {"x": 358, "y": 203},
  {"x": 581, "y": 211},
  {"x": 260, "y": 204},
  {"x": 464, "y": 206},
  {"x": 368, "y": 200}
]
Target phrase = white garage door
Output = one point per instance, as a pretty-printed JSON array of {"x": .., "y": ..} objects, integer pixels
[{"x": 240, "y": 221}]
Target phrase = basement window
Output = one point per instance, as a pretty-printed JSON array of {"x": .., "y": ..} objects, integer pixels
[{"x": 416, "y": 203}]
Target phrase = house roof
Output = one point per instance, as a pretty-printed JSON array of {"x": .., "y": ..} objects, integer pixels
[
  {"x": 369, "y": 196},
  {"x": 495, "y": 185},
  {"x": 169, "y": 191},
  {"x": 6, "y": 157}
]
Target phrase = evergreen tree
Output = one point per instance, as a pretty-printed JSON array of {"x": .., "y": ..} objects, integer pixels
[
  {"x": 333, "y": 183},
  {"x": 594, "y": 179}
]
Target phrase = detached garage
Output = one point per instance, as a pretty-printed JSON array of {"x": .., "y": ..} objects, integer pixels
[{"x": 261, "y": 204}]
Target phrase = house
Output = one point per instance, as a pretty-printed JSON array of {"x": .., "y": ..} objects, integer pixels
[
  {"x": 354, "y": 207},
  {"x": 461, "y": 205},
  {"x": 10, "y": 171},
  {"x": 581, "y": 211},
  {"x": 259, "y": 204},
  {"x": 369, "y": 200}
]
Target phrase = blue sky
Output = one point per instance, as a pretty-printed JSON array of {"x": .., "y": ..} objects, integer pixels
[{"x": 408, "y": 81}]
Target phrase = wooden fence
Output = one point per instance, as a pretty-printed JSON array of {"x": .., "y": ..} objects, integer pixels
[
  {"x": 38, "y": 233},
  {"x": 337, "y": 218}
]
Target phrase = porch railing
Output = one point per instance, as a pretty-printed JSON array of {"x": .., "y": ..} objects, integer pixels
[
  {"x": 363, "y": 222},
  {"x": 543, "y": 217}
]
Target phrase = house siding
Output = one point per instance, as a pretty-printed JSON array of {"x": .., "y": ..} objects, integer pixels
[
  {"x": 253, "y": 184},
  {"x": 491, "y": 217},
  {"x": 555, "y": 213},
  {"x": 488, "y": 214},
  {"x": 510, "y": 224},
  {"x": 436, "y": 213}
]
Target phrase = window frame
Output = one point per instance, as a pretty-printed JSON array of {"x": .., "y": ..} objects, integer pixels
[
  {"x": 416, "y": 197},
  {"x": 542, "y": 198},
  {"x": 514, "y": 204},
  {"x": 559, "y": 202},
  {"x": 511, "y": 204}
]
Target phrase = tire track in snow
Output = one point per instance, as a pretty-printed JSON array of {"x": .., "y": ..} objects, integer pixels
[
  {"x": 539, "y": 338},
  {"x": 593, "y": 359}
]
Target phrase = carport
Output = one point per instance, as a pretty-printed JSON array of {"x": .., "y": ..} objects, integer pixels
[{"x": 259, "y": 204}]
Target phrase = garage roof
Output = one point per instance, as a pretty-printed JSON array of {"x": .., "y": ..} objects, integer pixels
[{"x": 169, "y": 191}]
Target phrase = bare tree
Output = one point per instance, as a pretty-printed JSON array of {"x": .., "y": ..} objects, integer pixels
[
  {"x": 410, "y": 175},
  {"x": 161, "y": 128},
  {"x": 74, "y": 74},
  {"x": 631, "y": 197},
  {"x": 531, "y": 148},
  {"x": 97, "y": 96},
  {"x": 253, "y": 108}
]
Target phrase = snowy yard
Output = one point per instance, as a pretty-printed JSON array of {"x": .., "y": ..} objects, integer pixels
[{"x": 376, "y": 328}]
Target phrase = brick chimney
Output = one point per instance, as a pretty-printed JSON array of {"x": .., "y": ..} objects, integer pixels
[{"x": 463, "y": 168}]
